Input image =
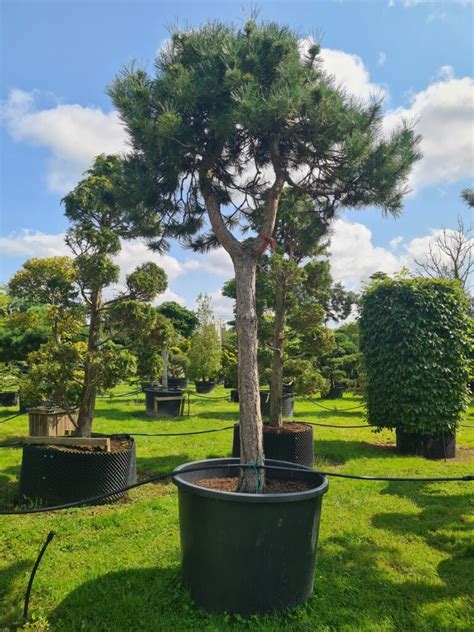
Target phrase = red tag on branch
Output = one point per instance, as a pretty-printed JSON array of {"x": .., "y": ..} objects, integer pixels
[{"x": 269, "y": 241}]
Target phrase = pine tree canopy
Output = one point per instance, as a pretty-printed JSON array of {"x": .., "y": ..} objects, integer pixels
[{"x": 232, "y": 115}]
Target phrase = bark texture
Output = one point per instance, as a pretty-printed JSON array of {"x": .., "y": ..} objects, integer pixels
[
  {"x": 89, "y": 388},
  {"x": 251, "y": 434},
  {"x": 276, "y": 384}
]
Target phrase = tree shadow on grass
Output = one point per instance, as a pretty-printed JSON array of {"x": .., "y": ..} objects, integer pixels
[
  {"x": 11, "y": 596},
  {"x": 444, "y": 521},
  {"x": 352, "y": 591},
  {"x": 338, "y": 451}
]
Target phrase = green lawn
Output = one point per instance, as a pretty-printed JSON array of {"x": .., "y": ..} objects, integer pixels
[{"x": 392, "y": 556}]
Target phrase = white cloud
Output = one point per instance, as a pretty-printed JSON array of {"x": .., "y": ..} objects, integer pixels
[
  {"x": 216, "y": 261},
  {"x": 354, "y": 257},
  {"x": 395, "y": 242},
  {"x": 446, "y": 72},
  {"x": 223, "y": 307},
  {"x": 381, "y": 59},
  {"x": 31, "y": 243},
  {"x": 74, "y": 135},
  {"x": 442, "y": 114},
  {"x": 351, "y": 73},
  {"x": 348, "y": 69}
]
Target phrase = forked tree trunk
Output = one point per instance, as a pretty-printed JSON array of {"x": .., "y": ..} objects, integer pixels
[
  {"x": 276, "y": 383},
  {"x": 251, "y": 441},
  {"x": 89, "y": 388}
]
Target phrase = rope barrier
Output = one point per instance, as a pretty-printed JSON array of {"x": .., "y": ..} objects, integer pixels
[
  {"x": 160, "y": 477},
  {"x": 335, "y": 410}
]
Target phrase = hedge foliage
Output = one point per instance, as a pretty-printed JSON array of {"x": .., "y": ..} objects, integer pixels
[{"x": 416, "y": 335}]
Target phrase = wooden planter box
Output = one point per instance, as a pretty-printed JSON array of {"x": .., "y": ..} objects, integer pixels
[{"x": 51, "y": 422}]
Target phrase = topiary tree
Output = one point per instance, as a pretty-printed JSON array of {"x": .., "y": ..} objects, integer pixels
[
  {"x": 99, "y": 212},
  {"x": 184, "y": 320},
  {"x": 231, "y": 117},
  {"x": 415, "y": 335}
]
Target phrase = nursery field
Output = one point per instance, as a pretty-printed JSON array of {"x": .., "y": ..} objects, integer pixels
[{"x": 391, "y": 557}]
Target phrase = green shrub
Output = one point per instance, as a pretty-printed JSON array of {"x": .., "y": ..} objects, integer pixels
[{"x": 415, "y": 335}]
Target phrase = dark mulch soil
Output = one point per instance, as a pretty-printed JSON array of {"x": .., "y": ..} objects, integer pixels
[
  {"x": 286, "y": 428},
  {"x": 230, "y": 484}
]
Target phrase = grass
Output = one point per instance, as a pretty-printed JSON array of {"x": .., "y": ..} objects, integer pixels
[{"x": 392, "y": 556}]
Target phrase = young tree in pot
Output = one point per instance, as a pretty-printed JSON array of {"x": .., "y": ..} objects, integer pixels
[
  {"x": 184, "y": 322},
  {"x": 233, "y": 116},
  {"x": 416, "y": 336}
]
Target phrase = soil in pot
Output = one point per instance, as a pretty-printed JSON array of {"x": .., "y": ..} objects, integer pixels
[
  {"x": 162, "y": 403},
  {"x": 441, "y": 446},
  {"x": 249, "y": 553},
  {"x": 61, "y": 474},
  {"x": 205, "y": 387},
  {"x": 292, "y": 442}
]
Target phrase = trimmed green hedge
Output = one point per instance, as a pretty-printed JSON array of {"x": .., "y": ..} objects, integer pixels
[{"x": 415, "y": 335}]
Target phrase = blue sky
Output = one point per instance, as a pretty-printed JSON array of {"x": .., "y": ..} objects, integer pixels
[{"x": 57, "y": 58}]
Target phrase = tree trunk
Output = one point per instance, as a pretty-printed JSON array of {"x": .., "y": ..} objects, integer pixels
[
  {"x": 164, "y": 376},
  {"x": 251, "y": 440},
  {"x": 89, "y": 388},
  {"x": 276, "y": 384}
]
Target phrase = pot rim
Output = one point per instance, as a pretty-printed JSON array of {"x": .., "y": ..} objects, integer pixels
[{"x": 180, "y": 481}]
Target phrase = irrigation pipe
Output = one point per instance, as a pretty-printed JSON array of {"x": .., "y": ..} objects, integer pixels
[
  {"x": 49, "y": 537},
  {"x": 13, "y": 417},
  {"x": 160, "y": 477}
]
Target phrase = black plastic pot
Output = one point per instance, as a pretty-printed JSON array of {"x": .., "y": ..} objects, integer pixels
[
  {"x": 294, "y": 447},
  {"x": 8, "y": 398},
  {"x": 61, "y": 476},
  {"x": 205, "y": 387},
  {"x": 164, "y": 404},
  {"x": 178, "y": 382},
  {"x": 234, "y": 395},
  {"x": 248, "y": 553},
  {"x": 335, "y": 392},
  {"x": 441, "y": 446},
  {"x": 287, "y": 405}
]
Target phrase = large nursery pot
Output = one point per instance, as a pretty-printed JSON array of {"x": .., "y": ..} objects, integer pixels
[
  {"x": 291, "y": 442},
  {"x": 178, "y": 382},
  {"x": 60, "y": 475},
  {"x": 287, "y": 404},
  {"x": 161, "y": 403},
  {"x": 234, "y": 396},
  {"x": 205, "y": 386},
  {"x": 8, "y": 398},
  {"x": 336, "y": 391},
  {"x": 248, "y": 553},
  {"x": 442, "y": 446}
]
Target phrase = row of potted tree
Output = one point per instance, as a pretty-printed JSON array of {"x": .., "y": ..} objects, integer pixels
[{"x": 240, "y": 139}]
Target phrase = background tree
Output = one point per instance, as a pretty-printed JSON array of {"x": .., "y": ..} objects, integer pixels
[
  {"x": 232, "y": 116},
  {"x": 343, "y": 364},
  {"x": 205, "y": 354},
  {"x": 184, "y": 320},
  {"x": 450, "y": 255}
]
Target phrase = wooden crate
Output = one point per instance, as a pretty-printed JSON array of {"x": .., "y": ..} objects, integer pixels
[{"x": 51, "y": 422}]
